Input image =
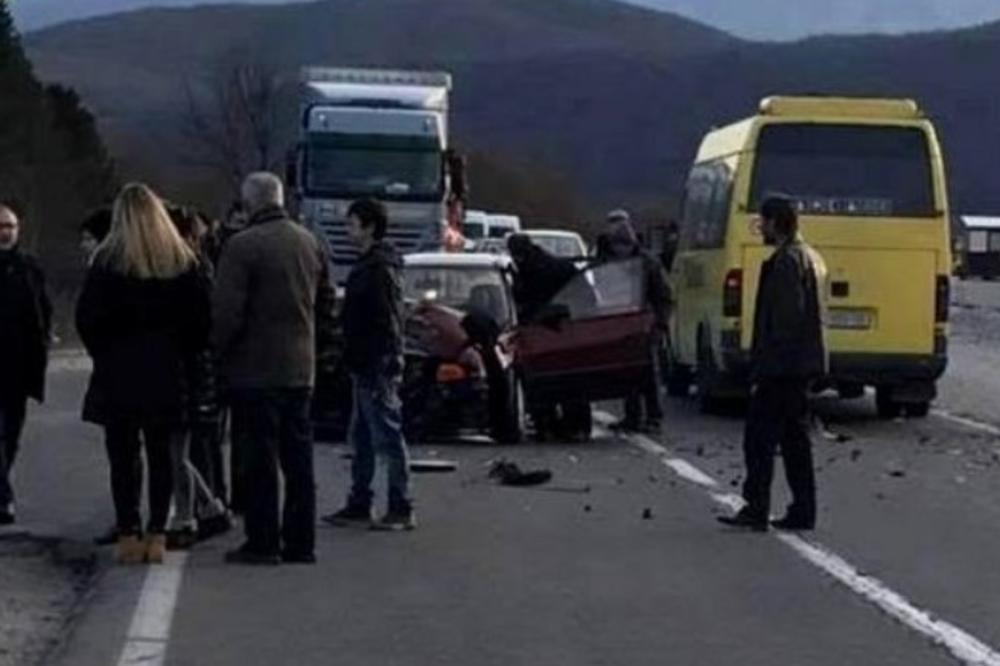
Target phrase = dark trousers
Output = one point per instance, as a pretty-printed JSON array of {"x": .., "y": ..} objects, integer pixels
[
  {"x": 124, "y": 444},
  {"x": 277, "y": 431},
  {"x": 206, "y": 456},
  {"x": 648, "y": 395},
  {"x": 779, "y": 415},
  {"x": 12, "y": 412}
]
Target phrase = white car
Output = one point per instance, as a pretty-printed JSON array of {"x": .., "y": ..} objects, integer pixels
[{"x": 559, "y": 243}]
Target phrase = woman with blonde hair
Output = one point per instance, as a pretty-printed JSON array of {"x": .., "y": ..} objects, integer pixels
[{"x": 143, "y": 313}]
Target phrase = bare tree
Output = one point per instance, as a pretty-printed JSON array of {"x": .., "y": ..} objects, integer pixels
[{"x": 233, "y": 121}]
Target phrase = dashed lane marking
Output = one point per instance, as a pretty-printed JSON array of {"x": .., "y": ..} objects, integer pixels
[{"x": 962, "y": 645}]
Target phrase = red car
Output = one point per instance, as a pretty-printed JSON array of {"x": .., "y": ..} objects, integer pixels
[{"x": 471, "y": 365}]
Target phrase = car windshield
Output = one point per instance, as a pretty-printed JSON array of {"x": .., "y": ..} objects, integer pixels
[
  {"x": 603, "y": 291},
  {"x": 566, "y": 247},
  {"x": 461, "y": 287},
  {"x": 414, "y": 175},
  {"x": 846, "y": 170}
]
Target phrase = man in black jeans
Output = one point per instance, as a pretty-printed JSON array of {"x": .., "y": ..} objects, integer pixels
[
  {"x": 25, "y": 318},
  {"x": 272, "y": 305},
  {"x": 788, "y": 352}
]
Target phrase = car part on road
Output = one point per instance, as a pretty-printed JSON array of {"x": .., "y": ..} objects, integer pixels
[
  {"x": 509, "y": 474},
  {"x": 428, "y": 466}
]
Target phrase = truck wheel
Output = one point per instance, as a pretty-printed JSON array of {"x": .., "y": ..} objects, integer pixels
[
  {"x": 887, "y": 407},
  {"x": 918, "y": 410},
  {"x": 507, "y": 427}
]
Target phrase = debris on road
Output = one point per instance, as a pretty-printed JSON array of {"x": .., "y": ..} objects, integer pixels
[
  {"x": 509, "y": 474},
  {"x": 427, "y": 466},
  {"x": 647, "y": 514},
  {"x": 855, "y": 455},
  {"x": 896, "y": 472}
]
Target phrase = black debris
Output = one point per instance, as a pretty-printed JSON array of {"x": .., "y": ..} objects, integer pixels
[
  {"x": 509, "y": 474},
  {"x": 855, "y": 455},
  {"x": 647, "y": 514}
]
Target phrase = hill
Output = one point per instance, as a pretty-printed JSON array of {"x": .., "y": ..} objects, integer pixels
[{"x": 615, "y": 98}]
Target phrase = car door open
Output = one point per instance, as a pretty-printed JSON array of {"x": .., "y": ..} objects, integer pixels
[{"x": 592, "y": 341}]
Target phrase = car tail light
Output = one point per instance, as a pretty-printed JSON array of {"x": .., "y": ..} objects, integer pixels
[
  {"x": 732, "y": 293},
  {"x": 451, "y": 372},
  {"x": 942, "y": 299}
]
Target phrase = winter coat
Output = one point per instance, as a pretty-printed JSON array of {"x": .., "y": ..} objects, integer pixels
[
  {"x": 373, "y": 314},
  {"x": 273, "y": 304},
  {"x": 25, "y": 326},
  {"x": 143, "y": 335},
  {"x": 788, "y": 338}
]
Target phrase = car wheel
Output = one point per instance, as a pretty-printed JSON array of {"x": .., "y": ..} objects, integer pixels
[
  {"x": 887, "y": 407},
  {"x": 577, "y": 422},
  {"x": 508, "y": 426}
]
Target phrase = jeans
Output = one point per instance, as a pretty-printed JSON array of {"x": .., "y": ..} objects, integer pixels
[
  {"x": 124, "y": 443},
  {"x": 377, "y": 427},
  {"x": 779, "y": 415},
  {"x": 277, "y": 431},
  {"x": 206, "y": 455},
  {"x": 12, "y": 413}
]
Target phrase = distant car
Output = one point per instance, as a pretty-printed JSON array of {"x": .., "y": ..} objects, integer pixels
[
  {"x": 501, "y": 225},
  {"x": 558, "y": 243}
]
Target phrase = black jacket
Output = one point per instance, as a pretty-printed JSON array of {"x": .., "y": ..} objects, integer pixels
[
  {"x": 373, "y": 314},
  {"x": 25, "y": 325},
  {"x": 144, "y": 335},
  {"x": 788, "y": 339}
]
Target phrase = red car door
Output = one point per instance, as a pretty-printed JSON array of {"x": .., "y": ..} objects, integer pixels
[{"x": 593, "y": 341}]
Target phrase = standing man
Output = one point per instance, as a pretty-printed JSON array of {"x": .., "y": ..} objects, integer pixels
[
  {"x": 26, "y": 316},
  {"x": 373, "y": 338},
  {"x": 272, "y": 297},
  {"x": 788, "y": 352},
  {"x": 621, "y": 243}
]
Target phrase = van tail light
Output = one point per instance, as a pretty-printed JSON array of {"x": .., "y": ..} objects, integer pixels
[
  {"x": 942, "y": 299},
  {"x": 732, "y": 294}
]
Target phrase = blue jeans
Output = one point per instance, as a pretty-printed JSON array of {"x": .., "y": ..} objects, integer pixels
[{"x": 377, "y": 427}]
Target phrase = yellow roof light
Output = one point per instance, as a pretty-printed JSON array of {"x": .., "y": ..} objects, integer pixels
[{"x": 845, "y": 107}]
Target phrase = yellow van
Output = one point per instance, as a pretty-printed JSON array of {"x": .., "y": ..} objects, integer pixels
[{"x": 868, "y": 178}]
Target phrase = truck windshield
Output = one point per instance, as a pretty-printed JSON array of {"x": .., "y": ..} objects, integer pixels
[
  {"x": 395, "y": 174},
  {"x": 846, "y": 170}
]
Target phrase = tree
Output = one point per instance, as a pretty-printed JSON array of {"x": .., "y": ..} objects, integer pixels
[{"x": 235, "y": 121}]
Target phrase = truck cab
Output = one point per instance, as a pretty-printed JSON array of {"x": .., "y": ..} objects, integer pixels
[{"x": 380, "y": 134}]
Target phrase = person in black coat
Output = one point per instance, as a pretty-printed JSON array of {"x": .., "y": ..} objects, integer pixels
[
  {"x": 143, "y": 314},
  {"x": 788, "y": 353},
  {"x": 26, "y": 316}
]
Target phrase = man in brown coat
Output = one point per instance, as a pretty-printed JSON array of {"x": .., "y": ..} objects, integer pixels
[{"x": 272, "y": 297}]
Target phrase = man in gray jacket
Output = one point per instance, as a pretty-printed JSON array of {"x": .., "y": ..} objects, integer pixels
[
  {"x": 788, "y": 352},
  {"x": 272, "y": 298}
]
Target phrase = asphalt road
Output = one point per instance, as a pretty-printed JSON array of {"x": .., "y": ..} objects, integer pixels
[{"x": 561, "y": 576}]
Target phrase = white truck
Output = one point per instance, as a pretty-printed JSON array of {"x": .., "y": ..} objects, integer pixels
[{"x": 381, "y": 134}]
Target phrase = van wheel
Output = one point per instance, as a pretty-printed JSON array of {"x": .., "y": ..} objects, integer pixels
[
  {"x": 918, "y": 410},
  {"x": 677, "y": 377},
  {"x": 887, "y": 407},
  {"x": 707, "y": 401}
]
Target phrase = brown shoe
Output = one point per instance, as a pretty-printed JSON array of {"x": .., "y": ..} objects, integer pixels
[
  {"x": 156, "y": 548},
  {"x": 130, "y": 550}
]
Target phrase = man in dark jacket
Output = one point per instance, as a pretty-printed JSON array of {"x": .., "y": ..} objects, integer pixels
[
  {"x": 373, "y": 337},
  {"x": 26, "y": 315},
  {"x": 272, "y": 294},
  {"x": 788, "y": 352},
  {"x": 622, "y": 244}
]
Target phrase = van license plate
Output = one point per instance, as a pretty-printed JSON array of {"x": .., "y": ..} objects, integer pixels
[{"x": 853, "y": 320}]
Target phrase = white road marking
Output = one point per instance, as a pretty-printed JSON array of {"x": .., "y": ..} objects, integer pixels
[
  {"x": 149, "y": 634},
  {"x": 962, "y": 645},
  {"x": 967, "y": 422}
]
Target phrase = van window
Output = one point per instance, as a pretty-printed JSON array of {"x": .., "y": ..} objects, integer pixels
[
  {"x": 846, "y": 170},
  {"x": 706, "y": 206}
]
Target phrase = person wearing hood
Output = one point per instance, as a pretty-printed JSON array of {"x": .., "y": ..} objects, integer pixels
[
  {"x": 26, "y": 313},
  {"x": 622, "y": 244},
  {"x": 272, "y": 294},
  {"x": 373, "y": 338}
]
